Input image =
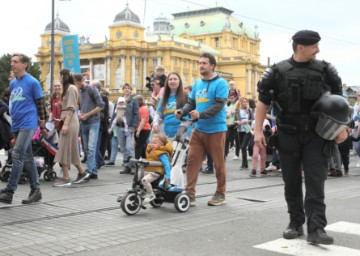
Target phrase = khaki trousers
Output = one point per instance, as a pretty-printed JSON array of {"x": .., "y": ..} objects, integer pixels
[{"x": 200, "y": 144}]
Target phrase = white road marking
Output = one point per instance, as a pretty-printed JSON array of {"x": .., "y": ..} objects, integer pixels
[
  {"x": 300, "y": 247},
  {"x": 345, "y": 227}
]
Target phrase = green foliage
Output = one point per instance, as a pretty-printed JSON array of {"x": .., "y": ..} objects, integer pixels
[{"x": 5, "y": 60}]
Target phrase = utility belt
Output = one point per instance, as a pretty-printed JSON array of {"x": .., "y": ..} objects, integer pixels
[{"x": 296, "y": 123}]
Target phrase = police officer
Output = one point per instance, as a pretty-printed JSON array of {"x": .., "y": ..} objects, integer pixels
[{"x": 294, "y": 85}]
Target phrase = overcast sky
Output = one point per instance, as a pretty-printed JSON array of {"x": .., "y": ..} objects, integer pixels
[{"x": 338, "y": 22}]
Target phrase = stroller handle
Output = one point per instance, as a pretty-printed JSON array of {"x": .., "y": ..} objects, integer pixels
[{"x": 145, "y": 162}]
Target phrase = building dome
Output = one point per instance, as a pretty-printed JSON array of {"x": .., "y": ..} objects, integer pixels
[
  {"x": 161, "y": 25},
  {"x": 60, "y": 27},
  {"x": 126, "y": 16}
]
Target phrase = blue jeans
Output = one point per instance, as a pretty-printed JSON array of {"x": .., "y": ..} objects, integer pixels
[
  {"x": 90, "y": 133},
  {"x": 356, "y": 144},
  {"x": 126, "y": 141},
  {"x": 22, "y": 156},
  {"x": 114, "y": 148}
]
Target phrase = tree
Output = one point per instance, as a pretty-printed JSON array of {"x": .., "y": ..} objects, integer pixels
[{"x": 5, "y": 60}]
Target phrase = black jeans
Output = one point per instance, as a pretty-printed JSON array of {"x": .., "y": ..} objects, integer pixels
[
  {"x": 304, "y": 151},
  {"x": 244, "y": 139}
]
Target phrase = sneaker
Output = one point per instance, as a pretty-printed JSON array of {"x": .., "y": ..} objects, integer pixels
[
  {"x": 81, "y": 177},
  {"x": 34, "y": 196},
  {"x": 208, "y": 171},
  {"x": 192, "y": 200},
  {"x": 126, "y": 170},
  {"x": 331, "y": 173},
  {"x": 62, "y": 183},
  {"x": 109, "y": 163},
  {"x": 149, "y": 197},
  {"x": 253, "y": 173},
  {"x": 319, "y": 236},
  {"x": 264, "y": 173},
  {"x": 235, "y": 158},
  {"x": 271, "y": 167},
  {"x": 217, "y": 199},
  {"x": 93, "y": 176},
  {"x": 293, "y": 230},
  {"x": 338, "y": 173},
  {"x": 6, "y": 196}
]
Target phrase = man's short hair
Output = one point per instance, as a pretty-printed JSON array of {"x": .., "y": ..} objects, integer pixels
[
  {"x": 210, "y": 57},
  {"x": 23, "y": 58},
  {"x": 78, "y": 77}
]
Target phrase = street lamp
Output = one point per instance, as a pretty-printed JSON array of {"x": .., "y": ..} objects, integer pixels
[{"x": 52, "y": 46}]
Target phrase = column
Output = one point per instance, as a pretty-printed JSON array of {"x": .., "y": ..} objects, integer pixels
[
  {"x": 248, "y": 90},
  {"x": 158, "y": 60},
  {"x": 133, "y": 70},
  {"x": 91, "y": 69},
  {"x": 144, "y": 70},
  {"x": 256, "y": 72},
  {"x": 108, "y": 73},
  {"x": 122, "y": 67}
]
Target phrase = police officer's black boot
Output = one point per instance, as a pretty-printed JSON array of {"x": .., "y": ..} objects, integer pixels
[
  {"x": 319, "y": 236},
  {"x": 6, "y": 196},
  {"x": 34, "y": 196},
  {"x": 293, "y": 230}
]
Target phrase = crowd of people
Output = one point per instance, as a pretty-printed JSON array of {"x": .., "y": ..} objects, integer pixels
[{"x": 276, "y": 131}]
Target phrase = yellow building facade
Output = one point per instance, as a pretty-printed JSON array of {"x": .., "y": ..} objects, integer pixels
[{"x": 131, "y": 52}]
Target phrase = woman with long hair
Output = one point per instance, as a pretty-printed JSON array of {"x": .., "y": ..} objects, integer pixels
[
  {"x": 174, "y": 98},
  {"x": 55, "y": 101},
  {"x": 68, "y": 152},
  {"x": 243, "y": 119}
]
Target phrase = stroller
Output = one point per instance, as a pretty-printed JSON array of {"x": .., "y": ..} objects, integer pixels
[
  {"x": 44, "y": 151},
  {"x": 132, "y": 201}
]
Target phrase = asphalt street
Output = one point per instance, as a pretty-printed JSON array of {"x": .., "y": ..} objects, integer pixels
[{"x": 85, "y": 219}]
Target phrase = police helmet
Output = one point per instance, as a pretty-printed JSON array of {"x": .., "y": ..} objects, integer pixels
[{"x": 332, "y": 112}]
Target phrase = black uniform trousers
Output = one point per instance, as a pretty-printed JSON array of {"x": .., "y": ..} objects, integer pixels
[{"x": 303, "y": 150}]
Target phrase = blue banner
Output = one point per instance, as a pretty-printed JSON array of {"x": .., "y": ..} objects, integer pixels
[{"x": 70, "y": 51}]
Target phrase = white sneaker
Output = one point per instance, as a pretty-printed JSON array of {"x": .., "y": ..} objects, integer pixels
[
  {"x": 148, "y": 198},
  {"x": 235, "y": 158},
  {"x": 271, "y": 167}
]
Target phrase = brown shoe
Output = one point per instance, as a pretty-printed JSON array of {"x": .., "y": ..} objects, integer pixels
[
  {"x": 338, "y": 173},
  {"x": 331, "y": 172}
]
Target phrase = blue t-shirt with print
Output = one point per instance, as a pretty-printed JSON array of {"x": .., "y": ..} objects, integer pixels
[
  {"x": 204, "y": 94},
  {"x": 24, "y": 92},
  {"x": 171, "y": 124}
]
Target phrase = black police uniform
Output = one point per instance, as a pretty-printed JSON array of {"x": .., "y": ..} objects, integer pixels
[{"x": 295, "y": 87}]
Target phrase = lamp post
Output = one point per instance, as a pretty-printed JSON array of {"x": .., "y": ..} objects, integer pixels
[{"x": 52, "y": 46}]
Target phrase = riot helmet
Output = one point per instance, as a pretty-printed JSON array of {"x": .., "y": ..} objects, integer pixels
[{"x": 333, "y": 114}]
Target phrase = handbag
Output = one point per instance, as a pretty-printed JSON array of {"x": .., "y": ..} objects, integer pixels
[{"x": 58, "y": 124}]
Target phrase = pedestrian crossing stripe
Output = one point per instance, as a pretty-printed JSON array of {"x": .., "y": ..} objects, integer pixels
[
  {"x": 302, "y": 247},
  {"x": 345, "y": 227}
]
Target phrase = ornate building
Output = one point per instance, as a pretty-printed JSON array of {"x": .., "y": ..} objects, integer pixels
[{"x": 129, "y": 55}]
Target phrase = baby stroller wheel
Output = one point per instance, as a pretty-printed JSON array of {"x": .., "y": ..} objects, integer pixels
[
  {"x": 50, "y": 175},
  {"x": 156, "y": 203},
  {"x": 5, "y": 173},
  {"x": 182, "y": 202},
  {"x": 131, "y": 203}
]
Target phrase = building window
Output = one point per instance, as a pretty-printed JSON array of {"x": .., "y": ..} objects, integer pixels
[
  {"x": 217, "y": 42},
  {"x": 175, "y": 61},
  {"x": 136, "y": 34},
  {"x": 154, "y": 62}
]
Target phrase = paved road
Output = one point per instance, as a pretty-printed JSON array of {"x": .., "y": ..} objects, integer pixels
[{"x": 85, "y": 219}]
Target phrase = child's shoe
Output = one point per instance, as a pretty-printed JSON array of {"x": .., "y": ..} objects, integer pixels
[{"x": 149, "y": 197}]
